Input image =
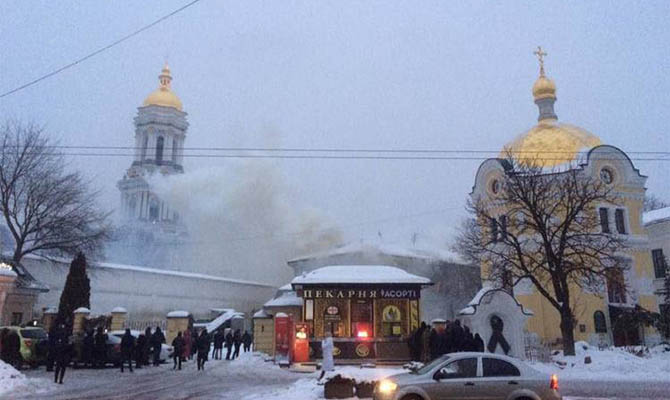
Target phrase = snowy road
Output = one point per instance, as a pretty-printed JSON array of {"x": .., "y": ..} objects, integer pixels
[{"x": 220, "y": 380}]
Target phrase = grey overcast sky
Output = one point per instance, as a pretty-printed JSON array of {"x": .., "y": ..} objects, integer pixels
[{"x": 346, "y": 74}]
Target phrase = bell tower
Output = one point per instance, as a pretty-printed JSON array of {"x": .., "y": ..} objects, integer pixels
[{"x": 160, "y": 130}]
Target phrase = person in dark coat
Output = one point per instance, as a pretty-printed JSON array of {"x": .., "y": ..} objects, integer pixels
[
  {"x": 62, "y": 353},
  {"x": 246, "y": 341},
  {"x": 178, "y": 346},
  {"x": 127, "y": 346},
  {"x": 237, "y": 342},
  {"x": 218, "y": 344},
  {"x": 417, "y": 342},
  {"x": 229, "y": 344},
  {"x": 51, "y": 348},
  {"x": 203, "y": 349},
  {"x": 194, "y": 343},
  {"x": 458, "y": 336},
  {"x": 100, "y": 347},
  {"x": 186, "y": 354},
  {"x": 146, "y": 350},
  {"x": 478, "y": 343},
  {"x": 11, "y": 348},
  {"x": 139, "y": 350},
  {"x": 157, "y": 339},
  {"x": 87, "y": 348},
  {"x": 468, "y": 339}
]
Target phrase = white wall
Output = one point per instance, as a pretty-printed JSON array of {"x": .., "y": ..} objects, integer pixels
[{"x": 148, "y": 294}]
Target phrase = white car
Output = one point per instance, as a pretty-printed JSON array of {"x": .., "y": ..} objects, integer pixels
[
  {"x": 470, "y": 376},
  {"x": 166, "y": 351}
]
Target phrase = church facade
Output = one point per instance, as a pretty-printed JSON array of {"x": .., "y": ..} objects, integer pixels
[{"x": 559, "y": 146}]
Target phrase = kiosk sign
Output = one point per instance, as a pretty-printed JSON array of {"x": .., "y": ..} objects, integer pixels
[{"x": 375, "y": 293}]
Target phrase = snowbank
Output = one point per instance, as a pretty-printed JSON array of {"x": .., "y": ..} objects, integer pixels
[
  {"x": 359, "y": 274},
  {"x": 610, "y": 364},
  {"x": 13, "y": 381},
  {"x": 178, "y": 314}
]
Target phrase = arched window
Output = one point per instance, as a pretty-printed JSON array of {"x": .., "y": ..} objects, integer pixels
[
  {"x": 145, "y": 142},
  {"x": 599, "y": 322},
  {"x": 159, "y": 149},
  {"x": 153, "y": 211}
]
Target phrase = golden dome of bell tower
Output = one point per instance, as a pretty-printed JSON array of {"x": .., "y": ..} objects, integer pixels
[{"x": 164, "y": 96}]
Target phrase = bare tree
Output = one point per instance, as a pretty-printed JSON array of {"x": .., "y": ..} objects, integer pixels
[
  {"x": 651, "y": 202},
  {"x": 545, "y": 227},
  {"x": 48, "y": 210}
]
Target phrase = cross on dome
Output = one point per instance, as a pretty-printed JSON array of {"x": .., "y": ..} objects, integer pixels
[{"x": 540, "y": 56}]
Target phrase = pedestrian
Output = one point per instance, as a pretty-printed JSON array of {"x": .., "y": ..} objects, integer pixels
[
  {"x": 246, "y": 340},
  {"x": 218, "y": 344},
  {"x": 157, "y": 339},
  {"x": 178, "y": 346},
  {"x": 327, "y": 352},
  {"x": 100, "y": 347},
  {"x": 417, "y": 342},
  {"x": 468, "y": 339},
  {"x": 203, "y": 349},
  {"x": 425, "y": 344},
  {"x": 458, "y": 336},
  {"x": 237, "y": 342},
  {"x": 139, "y": 350},
  {"x": 51, "y": 347},
  {"x": 87, "y": 348},
  {"x": 146, "y": 350},
  {"x": 229, "y": 344},
  {"x": 479, "y": 343},
  {"x": 127, "y": 346},
  {"x": 186, "y": 353},
  {"x": 3, "y": 348},
  {"x": 62, "y": 353},
  {"x": 11, "y": 348},
  {"x": 194, "y": 344}
]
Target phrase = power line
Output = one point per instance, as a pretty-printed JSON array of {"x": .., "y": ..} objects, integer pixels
[
  {"x": 333, "y": 157},
  {"x": 98, "y": 51},
  {"x": 344, "y": 150}
]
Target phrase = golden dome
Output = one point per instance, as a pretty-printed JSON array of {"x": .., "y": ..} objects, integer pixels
[
  {"x": 550, "y": 143},
  {"x": 163, "y": 96},
  {"x": 544, "y": 88}
]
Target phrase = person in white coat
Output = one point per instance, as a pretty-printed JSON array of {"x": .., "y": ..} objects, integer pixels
[{"x": 327, "y": 350}]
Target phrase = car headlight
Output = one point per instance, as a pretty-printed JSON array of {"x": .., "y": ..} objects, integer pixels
[{"x": 387, "y": 386}]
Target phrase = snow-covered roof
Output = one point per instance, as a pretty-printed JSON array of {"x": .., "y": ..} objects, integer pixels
[
  {"x": 178, "y": 314},
  {"x": 477, "y": 300},
  {"x": 286, "y": 299},
  {"x": 82, "y": 310},
  {"x": 182, "y": 274},
  {"x": 261, "y": 314},
  {"x": 438, "y": 321},
  {"x": 220, "y": 320},
  {"x": 359, "y": 274},
  {"x": 119, "y": 310},
  {"x": 281, "y": 315},
  {"x": 662, "y": 214},
  {"x": 51, "y": 310},
  {"x": 425, "y": 253},
  {"x": 286, "y": 287}
]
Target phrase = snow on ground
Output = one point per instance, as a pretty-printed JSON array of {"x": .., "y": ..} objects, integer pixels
[
  {"x": 12, "y": 381},
  {"x": 610, "y": 364}
]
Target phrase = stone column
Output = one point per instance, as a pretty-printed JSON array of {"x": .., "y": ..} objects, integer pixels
[
  {"x": 80, "y": 315},
  {"x": 119, "y": 317},
  {"x": 177, "y": 321},
  {"x": 48, "y": 318},
  {"x": 7, "y": 282}
]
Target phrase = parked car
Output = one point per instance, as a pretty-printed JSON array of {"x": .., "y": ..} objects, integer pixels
[
  {"x": 166, "y": 351},
  {"x": 471, "y": 376},
  {"x": 33, "y": 344},
  {"x": 113, "y": 350}
]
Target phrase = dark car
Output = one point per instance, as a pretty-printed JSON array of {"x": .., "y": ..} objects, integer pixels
[{"x": 113, "y": 350}]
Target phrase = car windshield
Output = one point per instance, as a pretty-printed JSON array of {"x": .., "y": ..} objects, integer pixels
[
  {"x": 430, "y": 365},
  {"x": 33, "y": 334}
]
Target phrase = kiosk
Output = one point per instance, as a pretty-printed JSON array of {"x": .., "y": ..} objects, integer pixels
[{"x": 370, "y": 310}]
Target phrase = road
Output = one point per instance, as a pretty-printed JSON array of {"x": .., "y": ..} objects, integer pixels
[
  {"x": 220, "y": 380},
  {"x": 251, "y": 375}
]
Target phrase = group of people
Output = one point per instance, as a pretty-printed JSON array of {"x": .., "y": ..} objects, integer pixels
[
  {"x": 144, "y": 350},
  {"x": 427, "y": 343},
  {"x": 231, "y": 341}
]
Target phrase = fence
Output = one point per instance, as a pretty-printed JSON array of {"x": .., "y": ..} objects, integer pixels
[
  {"x": 535, "y": 350},
  {"x": 141, "y": 325}
]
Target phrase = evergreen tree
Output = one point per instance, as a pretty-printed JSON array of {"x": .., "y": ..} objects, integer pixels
[
  {"x": 76, "y": 293},
  {"x": 664, "y": 317}
]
